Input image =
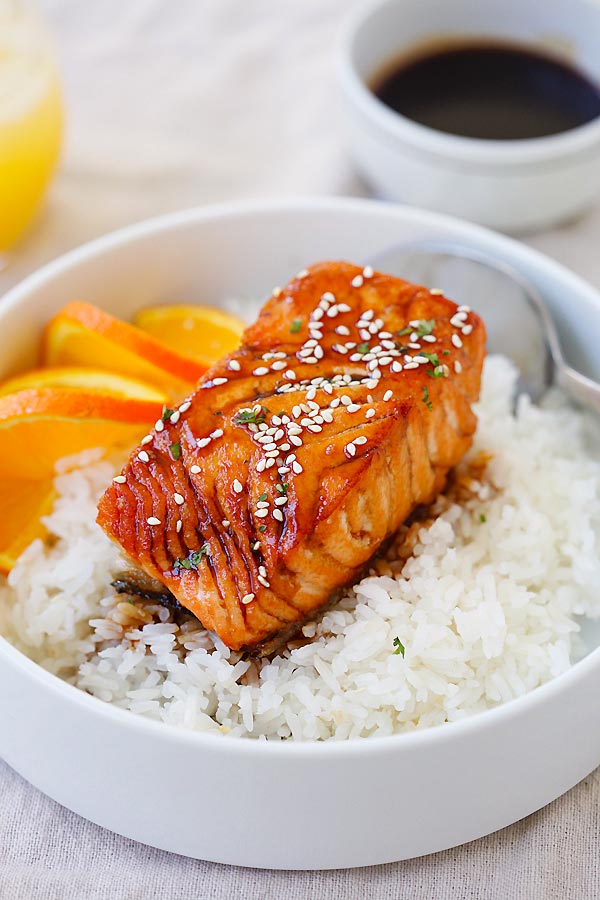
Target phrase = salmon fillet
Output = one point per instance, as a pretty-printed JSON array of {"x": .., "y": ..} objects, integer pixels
[{"x": 272, "y": 486}]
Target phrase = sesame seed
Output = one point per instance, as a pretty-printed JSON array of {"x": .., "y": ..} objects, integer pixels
[
  {"x": 262, "y": 370},
  {"x": 297, "y": 468},
  {"x": 466, "y": 309},
  {"x": 120, "y": 479},
  {"x": 159, "y": 425},
  {"x": 420, "y": 359},
  {"x": 225, "y": 523},
  {"x": 389, "y": 345},
  {"x": 457, "y": 367},
  {"x": 277, "y": 514},
  {"x": 219, "y": 381},
  {"x": 146, "y": 439},
  {"x": 290, "y": 459},
  {"x": 343, "y": 330},
  {"x": 317, "y": 314},
  {"x": 262, "y": 504},
  {"x": 430, "y": 338},
  {"x": 276, "y": 420},
  {"x": 270, "y": 446},
  {"x": 256, "y": 545},
  {"x": 203, "y": 442},
  {"x": 365, "y": 334},
  {"x": 216, "y": 434},
  {"x": 311, "y": 394},
  {"x": 143, "y": 456},
  {"x": 456, "y": 341},
  {"x": 319, "y": 352},
  {"x": 334, "y": 403},
  {"x": 368, "y": 315},
  {"x": 295, "y": 440},
  {"x": 414, "y": 346},
  {"x": 260, "y": 466},
  {"x": 174, "y": 419},
  {"x": 311, "y": 360},
  {"x": 360, "y": 440},
  {"x": 278, "y": 365},
  {"x": 355, "y": 357},
  {"x": 237, "y": 487},
  {"x": 396, "y": 367},
  {"x": 327, "y": 416},
  {"x": 261, "y": 513},
  {"x": 339, "y": 348},
  {"x": 302, "y": 274},
  {"x": 436, "y": 291},
  {"x": 352, "y": 408},
  {"x": 152, "y": 520},
  {"x": 289, "y": 374},
  {"x": 195, "y": 470},
  {"x": 328, "y": 297},
  {"x": 234, "y": 365},
  {"x": 316, "y": 428},
  {"x": 263, "y": 581},
  {"x": 332, "y": 312},
  {"x": 357, "y": 281},
  {"x": 369, "y": 413},
  {"x": 284, "y": 446},
  {"x": 281, "y": 501},
  {"x": 247, "y": 598},
  {"x": 467, "y": 329},
  {"x": 179, "y": 526},
  {"x": 350, "y": 449},
  {"x": 385, "y": 360},
  {"x": 368, "y": 272},
  {"x": 371, "y": 383},
  {"x": 178, "y": 499},
  {"x": 283, "y": 470},
  {"x": 269, "y": 463},
  {"x": 411, "y": 365},
  {"x": 388, "y": 396}
]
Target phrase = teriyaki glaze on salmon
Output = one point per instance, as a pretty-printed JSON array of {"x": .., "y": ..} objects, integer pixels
[{"x": 271, "y": 487}]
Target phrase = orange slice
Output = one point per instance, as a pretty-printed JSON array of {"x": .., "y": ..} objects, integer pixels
[
  {"x": 22, "y": 504},
  {"x": 200, "y": 333},
  {"x": 83, "y": 335},
  {"x": 89, "y": 379},
  {"x": 39, "y": 427}
]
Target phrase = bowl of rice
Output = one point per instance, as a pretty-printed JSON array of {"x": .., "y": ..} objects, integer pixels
[{"x": 337, "y": 750}]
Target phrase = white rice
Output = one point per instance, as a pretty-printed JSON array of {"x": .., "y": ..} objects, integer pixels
[{"x": 487, "y": 606}]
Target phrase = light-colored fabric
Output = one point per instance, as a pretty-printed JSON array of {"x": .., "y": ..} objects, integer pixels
[{"x": 172, "y": 104}]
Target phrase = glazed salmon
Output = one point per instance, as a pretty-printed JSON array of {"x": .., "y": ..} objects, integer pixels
[{"x": 272, "y": 486}]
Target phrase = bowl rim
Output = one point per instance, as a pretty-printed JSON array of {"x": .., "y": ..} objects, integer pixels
[
  {"x": 332, "y": 748},
  {"x": 555, "y": 150}
]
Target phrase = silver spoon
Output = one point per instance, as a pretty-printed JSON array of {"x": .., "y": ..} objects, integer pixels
[{"x": 504, "y": 299}]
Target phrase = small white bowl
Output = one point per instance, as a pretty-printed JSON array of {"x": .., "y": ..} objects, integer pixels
[
  {"x": 288, "y": 805},
  {"x": 510, "y": 185}
]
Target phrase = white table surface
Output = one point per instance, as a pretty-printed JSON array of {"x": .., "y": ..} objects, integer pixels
[{"x": 173, "y": 104}]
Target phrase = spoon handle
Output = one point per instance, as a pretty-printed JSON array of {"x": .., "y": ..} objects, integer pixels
[{"x": 580, "y": 388}]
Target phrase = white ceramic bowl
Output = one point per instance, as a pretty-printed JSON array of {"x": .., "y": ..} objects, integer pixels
[
  {"x": 510, "y": 185},
  {"x": 313, "y": 805}
]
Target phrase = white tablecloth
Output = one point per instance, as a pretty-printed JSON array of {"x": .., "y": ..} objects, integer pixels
[{"x": 172, "y": 104}]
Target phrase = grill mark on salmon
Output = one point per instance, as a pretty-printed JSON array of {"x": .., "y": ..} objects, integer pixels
[{"x": 342, "y": 411}]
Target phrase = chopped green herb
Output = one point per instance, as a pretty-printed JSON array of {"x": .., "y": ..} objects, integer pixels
[
  {"x": 295, "y": 326},
  {"x": 219, "y": 412},
  {"x": 407, "y": 330},
  {"x": 362, "y": 348},
  {"x": 445, "y": 353},
  {"x": 402, "y": 348},
  {"x": 438, "y": 372},
  {"x": 425, "y": 327},
  {"x": 282, "y": 488},
  {"x": 166, "y": 413},
  {"x": 192, "y": 561},
  {"x": 426, "y": 399},
  {"x": 399, "y": 647},
  {"x": 432, "y": 357},
  {"x": 176, "y": 450},
  {"x": 251, "y": 416},
  {"x": 262, "y": 498},
  {"x": 262, "y": 527},
  {"x": 482, "y": 518}
]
